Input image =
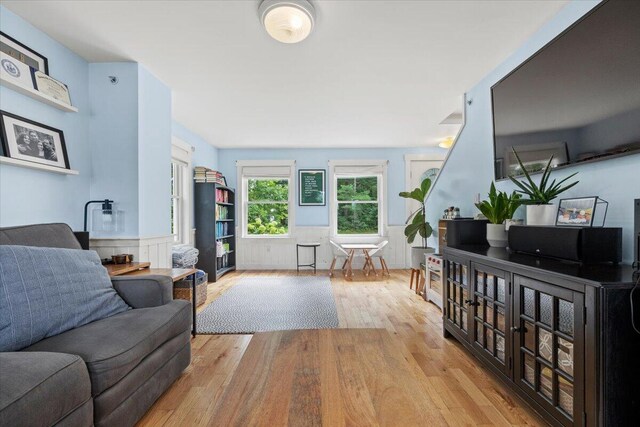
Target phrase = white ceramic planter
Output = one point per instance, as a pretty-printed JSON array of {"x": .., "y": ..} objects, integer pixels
[
  {"x": 497, "y": 235},
  {"x": 541, "y": 214},
  {"x": 418, "y": 256}
]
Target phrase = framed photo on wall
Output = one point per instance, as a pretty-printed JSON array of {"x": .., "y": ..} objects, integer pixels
[
  {"x": 312, "y": 187},
  {"x": 22, "y": 53},
  {"x": 576, "y": 212},
  {"x": 31, "y": 141}
]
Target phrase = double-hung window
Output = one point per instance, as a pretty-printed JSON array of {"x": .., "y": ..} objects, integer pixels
[
  {"x": 180, "y": 191},
  {"x": 358, "y": 197},
  {"x": 176, "y": 201},
  {"x": 267, "y": 198}
]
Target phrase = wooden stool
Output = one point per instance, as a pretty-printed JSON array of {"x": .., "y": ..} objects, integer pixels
[{"x": 419, "y": 278}]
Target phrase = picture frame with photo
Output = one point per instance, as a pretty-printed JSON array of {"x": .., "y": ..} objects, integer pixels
[
  {"x": 23, "y": 53},
  {"x": 578, "y": 212},
  {"x": 30, "y": 141}
]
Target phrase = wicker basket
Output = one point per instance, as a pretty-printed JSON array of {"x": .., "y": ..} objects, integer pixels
[{"x": 182, "y": 289}]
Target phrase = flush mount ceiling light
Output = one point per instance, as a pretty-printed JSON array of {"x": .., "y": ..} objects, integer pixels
[
  {"x": 288, "y": 21},
  {"x": 447, "y": 143}
]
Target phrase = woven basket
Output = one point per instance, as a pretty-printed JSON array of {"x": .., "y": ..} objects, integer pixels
[{"x": 182, "y": 290}]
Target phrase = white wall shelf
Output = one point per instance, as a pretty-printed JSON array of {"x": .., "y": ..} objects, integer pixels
[
  {"x": 38, "y": 96},
  {"x": 32, "y": 165}
]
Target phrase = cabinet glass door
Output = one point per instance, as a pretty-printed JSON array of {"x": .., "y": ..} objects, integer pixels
[
  {"x": 549, "y": 347},
  {"x": 456, "y": 293},
  {"x": 490, "y": 315}
]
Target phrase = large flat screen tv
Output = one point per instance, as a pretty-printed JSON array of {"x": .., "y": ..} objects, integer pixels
[{"x": 577, "y": 98}]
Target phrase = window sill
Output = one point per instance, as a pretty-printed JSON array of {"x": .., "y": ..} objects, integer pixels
[{"x": 269, "y": 237}]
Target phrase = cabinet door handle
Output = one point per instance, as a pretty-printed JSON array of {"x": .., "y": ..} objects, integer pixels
[
  {"x": 516, "y": 329},
  {"x": 470, "y": 302}
]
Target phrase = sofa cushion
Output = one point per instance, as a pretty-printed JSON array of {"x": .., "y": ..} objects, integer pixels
[
  {"x": 114, "y": 346},
  {"x": 46, "y": 291},
  {"x": 41, "y": 389},
  {"x": 41, "y": 235}
]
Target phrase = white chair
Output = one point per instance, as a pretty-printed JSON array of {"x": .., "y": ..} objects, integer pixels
[
  {"x": 378, "y": 252},
  {"x": 338, "y": 252}
]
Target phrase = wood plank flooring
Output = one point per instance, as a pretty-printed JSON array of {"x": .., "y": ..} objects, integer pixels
[{"x": 459, "y": 391}]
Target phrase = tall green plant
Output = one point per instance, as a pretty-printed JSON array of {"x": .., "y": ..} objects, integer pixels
[
  {"x": 543, "y": 193},
  {"x": 417, "y": 222},
  {"x": 500, "y": 206}
]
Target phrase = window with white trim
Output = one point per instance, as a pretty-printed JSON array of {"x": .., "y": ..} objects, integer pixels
[
  {"x": 357, "y": 207},
  {"x": 181, "y": 209},
  {"x": 267, "y": 198}
]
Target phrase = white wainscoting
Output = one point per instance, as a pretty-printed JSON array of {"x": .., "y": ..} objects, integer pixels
[
  {"x": 156, "y": 250},
  {"x": 280, "y": 254}
]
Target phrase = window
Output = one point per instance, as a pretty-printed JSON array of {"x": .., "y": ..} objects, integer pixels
[
  {"x": 267, "y": 198},
  {"x": 267, "y": 206},
  {"x": 176, "y": 201},
  {"x": 181, "y": 209},
  {"x": 358, "y": 205},
  {"x": 357, "y": 197}
]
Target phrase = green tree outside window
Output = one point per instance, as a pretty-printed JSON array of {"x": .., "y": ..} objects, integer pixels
[
  {"x": 268, "y": 206},
  {"x": 357, "y": 205}
]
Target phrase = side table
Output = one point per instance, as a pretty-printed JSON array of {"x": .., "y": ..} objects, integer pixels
[{"x": 306, "y": 245}]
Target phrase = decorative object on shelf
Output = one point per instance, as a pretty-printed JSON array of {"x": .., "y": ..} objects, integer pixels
[
  {"x": 287, "y": 21},
  {"x": 499, "y": 208},
  {"x": 417, "y": 223},
  {"x": 22, "y": 53},
  {"x": 312, "y": 187},
  {"x": 31, "y": 141},
  {"x": 580, "y": 212},
  {"x": 51, "y": 87},
  {"x": 15, "y": 71},
  {"x": 539, "y": 209},
  {"x": 452, "y": 212}
]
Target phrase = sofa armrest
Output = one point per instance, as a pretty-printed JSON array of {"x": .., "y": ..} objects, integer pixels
[{"x": 146, "y": 291}]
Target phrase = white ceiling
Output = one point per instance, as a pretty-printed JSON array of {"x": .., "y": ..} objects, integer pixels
[{"x": 371, "y": 74}]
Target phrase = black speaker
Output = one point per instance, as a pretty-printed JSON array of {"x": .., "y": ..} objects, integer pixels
[
  {"x": 580, "y": 244},
  {"x": 636, "y": 233},
  {"x": 466, "y": 232}
]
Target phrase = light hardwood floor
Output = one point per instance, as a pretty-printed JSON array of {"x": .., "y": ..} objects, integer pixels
[{"x": 462, "y": 392}]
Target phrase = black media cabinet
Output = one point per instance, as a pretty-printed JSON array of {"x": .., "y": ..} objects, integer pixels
[{"x": 558, "y": 334}]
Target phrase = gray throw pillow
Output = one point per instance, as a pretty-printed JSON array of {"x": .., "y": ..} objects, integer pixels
[{"x": 46, "y": 291}]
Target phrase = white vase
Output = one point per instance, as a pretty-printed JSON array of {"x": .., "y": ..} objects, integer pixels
[
  {"x": 541, "y": 214},
  {"x": 497, "y": 235},
  {"x": 418, "y": 256}
]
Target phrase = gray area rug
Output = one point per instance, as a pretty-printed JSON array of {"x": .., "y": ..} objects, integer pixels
[{"x": 259, "y": 304}]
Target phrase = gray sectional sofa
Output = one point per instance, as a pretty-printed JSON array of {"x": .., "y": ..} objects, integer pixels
[{"x": 107, "y": 372}]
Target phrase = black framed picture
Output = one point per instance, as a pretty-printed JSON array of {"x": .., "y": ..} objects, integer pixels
[
  {"x": 23, "y": 53},
  {"x": 24, "y": 139},
  {"x": 312, "y": 187},
  {"x": 576, "y": 212}
]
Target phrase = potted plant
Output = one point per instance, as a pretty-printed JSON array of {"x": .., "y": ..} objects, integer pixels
[
  {"x": 417, "y": 223},
  {"x": 539, "y": 209},
  {"x": 499, "y": 208}
]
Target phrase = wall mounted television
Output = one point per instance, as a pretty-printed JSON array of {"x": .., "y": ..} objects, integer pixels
[{"x": 577, "y": 98}]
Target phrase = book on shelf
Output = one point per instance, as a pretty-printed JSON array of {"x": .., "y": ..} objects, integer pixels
[
  {"x": 224, "y": 228},
  {"x": 222, "y": 196},
  {"x": 204, "y": 174}
]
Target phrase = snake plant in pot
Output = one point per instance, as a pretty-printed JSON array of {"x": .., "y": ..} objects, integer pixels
[
  {"x": 540, "y": 210},
  {"x": 417, "y": 224},
  {"x": 499, "y": 208}
]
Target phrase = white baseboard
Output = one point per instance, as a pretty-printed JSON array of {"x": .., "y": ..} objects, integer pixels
[
  {"x": 156, "y": 250},
  {"x": 280, "y": 254}
]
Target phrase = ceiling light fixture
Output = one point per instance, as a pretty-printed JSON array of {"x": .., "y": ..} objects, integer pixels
[
  {"x": 447, "y": 143},
  {"x": 288, "y": 21}
]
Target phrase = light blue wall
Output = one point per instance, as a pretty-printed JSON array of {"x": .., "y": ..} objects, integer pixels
[
  {"x": 318, "y": 158},
  {"x": 205, "y": 154},
  {"x": 469, "y": 169},
  {"x": 114, "y": 139},
  {"x": 154, "y": 155},
  {"x": 32, "y": 196}
]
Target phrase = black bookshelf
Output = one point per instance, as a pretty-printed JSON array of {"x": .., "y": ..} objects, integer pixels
[{"x": 215, "y": 221}]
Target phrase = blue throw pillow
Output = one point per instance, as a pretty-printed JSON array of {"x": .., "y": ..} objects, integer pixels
[{"x": 46, "y": 291}]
